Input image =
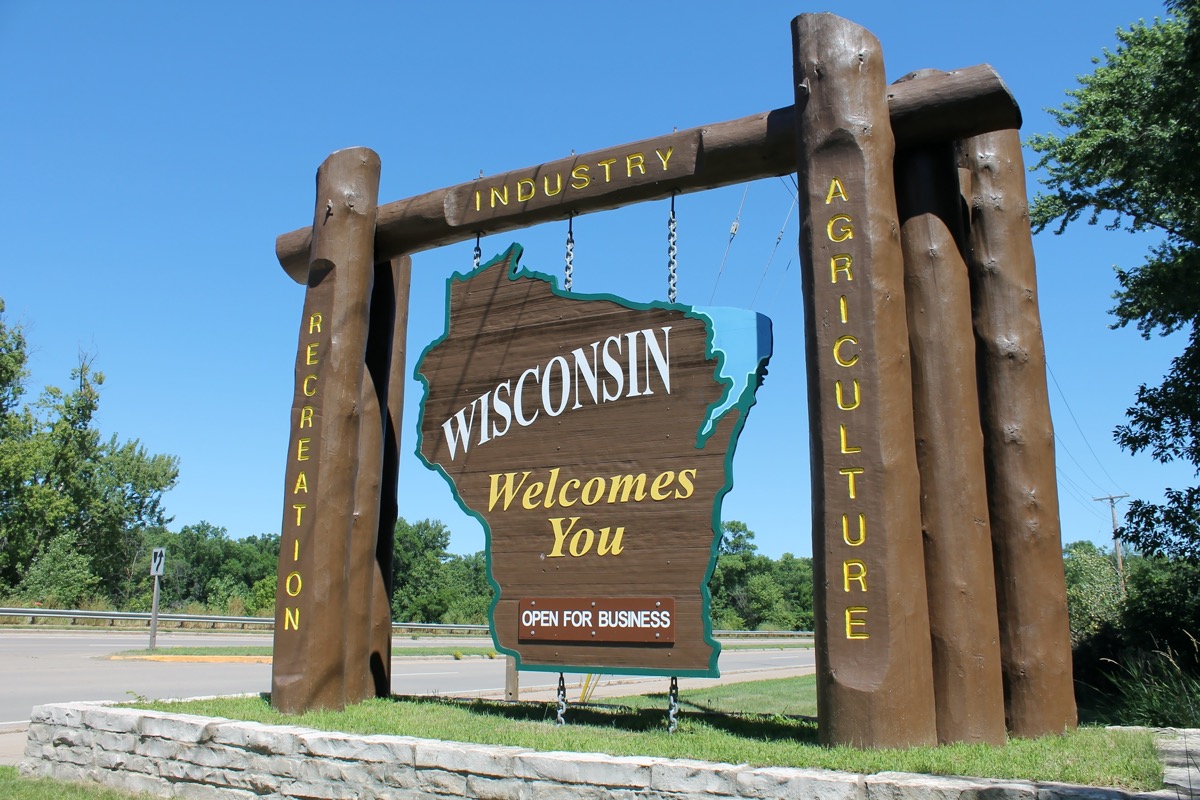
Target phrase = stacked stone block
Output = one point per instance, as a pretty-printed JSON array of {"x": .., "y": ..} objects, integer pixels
[{"x": 205, "y": 758}]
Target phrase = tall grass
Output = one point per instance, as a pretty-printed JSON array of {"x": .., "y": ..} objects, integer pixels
[{"x": 1157, "y": 689}]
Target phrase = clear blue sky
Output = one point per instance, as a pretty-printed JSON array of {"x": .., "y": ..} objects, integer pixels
[{"x": 151, "y": 152}]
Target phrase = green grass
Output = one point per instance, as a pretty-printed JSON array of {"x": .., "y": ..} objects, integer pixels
[
  {"x": 14, "y": 787},
  {"x": 265, "y": 650},
  {"x": 766, "y": 723}
]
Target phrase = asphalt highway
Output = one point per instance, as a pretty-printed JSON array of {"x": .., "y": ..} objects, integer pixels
[{"x": 39, "y": 667}]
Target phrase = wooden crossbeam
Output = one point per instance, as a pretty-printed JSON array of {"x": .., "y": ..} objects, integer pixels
[{"x": 953, "y": 105}]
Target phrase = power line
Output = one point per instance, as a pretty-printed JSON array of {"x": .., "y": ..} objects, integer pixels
[{"x": 1080, "y": 429}]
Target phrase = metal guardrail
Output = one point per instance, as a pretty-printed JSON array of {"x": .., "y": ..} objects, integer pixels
[{"x": 213, "y": 620}]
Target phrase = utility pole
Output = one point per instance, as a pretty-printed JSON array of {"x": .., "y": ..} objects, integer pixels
[{"x": 1112, "y": 506}]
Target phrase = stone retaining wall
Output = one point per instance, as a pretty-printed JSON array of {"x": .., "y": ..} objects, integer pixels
[{"x": 184, "y": 756}]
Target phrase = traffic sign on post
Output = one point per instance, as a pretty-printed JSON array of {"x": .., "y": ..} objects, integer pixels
[{"x": 158, "y": 560}]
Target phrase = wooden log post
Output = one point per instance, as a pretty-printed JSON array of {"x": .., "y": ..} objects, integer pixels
[
  {"x": 1018, "y": 440},
  {"x": 400, "y": 269},
  {"x": 874, "y": 663},
  {"x": 968, "y": 693},
  {"x": 367, "y": 667},
  {"x": 309, "y": 664}
]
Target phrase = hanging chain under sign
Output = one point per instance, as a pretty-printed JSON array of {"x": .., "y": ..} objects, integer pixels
[
  {"x": 561, "y": 719},
  {"x": 569, "y": 269},
  {"x": 672, "y": 279},
  {"x": 673, "y": 706}
]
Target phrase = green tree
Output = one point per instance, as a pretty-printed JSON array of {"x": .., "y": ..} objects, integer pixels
[
  {"x": 1129, "y": 158},
  {"x": 59, "y": 475},
  {"x": 1094, "y": 595},
  {"x": 61, "y": 577},
  {"x": 750, "y": 591},
  {"x": 421, "y": 593}
]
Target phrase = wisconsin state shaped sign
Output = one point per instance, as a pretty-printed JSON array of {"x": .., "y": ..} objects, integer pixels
[{"x": 593, "y": 437}]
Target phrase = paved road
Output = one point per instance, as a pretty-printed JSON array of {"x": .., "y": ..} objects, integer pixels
[{"x": 60, "y": 666}]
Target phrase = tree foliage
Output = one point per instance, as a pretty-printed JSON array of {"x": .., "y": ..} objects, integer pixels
[
  {"x": 1129, "y": 159},
  {"x": 60, "y": 476},
  {"x": 751, "y": 591}
]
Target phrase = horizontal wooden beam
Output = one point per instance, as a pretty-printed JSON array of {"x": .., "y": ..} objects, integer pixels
[{"x": 944, "y": 107}]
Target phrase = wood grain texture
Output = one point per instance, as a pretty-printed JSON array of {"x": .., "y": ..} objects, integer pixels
[
  {"x": 874, "y": 663},
  {"x": 1019, "y": 441},
  {"x": 565, "y": 468},
  {"x": 954, "y": 105},
  {"x": 967, "y": 689},
  {"x": 309, "y": 665}
]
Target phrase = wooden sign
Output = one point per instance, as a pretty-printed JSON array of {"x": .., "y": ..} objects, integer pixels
[{"x": 593, "y": 438}]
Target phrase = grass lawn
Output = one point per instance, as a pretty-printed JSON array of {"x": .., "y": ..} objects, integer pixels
[
  {"x": 14, "y": 787},
  {"x": 764, "y": 723}
]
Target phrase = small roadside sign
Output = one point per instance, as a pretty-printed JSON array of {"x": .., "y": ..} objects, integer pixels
[{"x": 158, "y": 559}]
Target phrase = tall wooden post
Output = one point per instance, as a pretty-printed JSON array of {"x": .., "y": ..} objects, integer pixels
[
  {"x": 874, "y": 670},
  {"x": 400, "y": 273},
  {"x": 968, "y": 693},
  {"x": 311, "y": 625},
  {"x": 1018, "y": 440}
]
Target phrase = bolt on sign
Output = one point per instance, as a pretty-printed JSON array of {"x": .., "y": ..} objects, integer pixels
[{"x": 593, "y": 438}]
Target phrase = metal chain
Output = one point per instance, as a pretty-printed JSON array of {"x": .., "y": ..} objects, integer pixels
[
  {"x": 672, "y": 278},
  {"x": 673, "y": 706},
  {"x": 569, "y": 270},
  {"x": 560, "y": 719},
  {"x": 478, "y": 251}
]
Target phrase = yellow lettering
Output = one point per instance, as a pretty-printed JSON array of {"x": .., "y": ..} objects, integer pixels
[
  {"x": 837, "y": 351},
  {"x": 578, "y": 547},
  {"x": 546, "y": 184},
  {"x": 844, "y": 232},
  {"x": 606, "y": 163},
  {"x": 510, "y": 491},
  {"x": 635, "y": 161},
  {"x": 496, "y": 194},
  {"x": 580, "y": 174},
  {"x": 843, "y": 310},
  {"x": 686, "y": 476},
  {"x": 309, "y": 391},
  {"x": 526, "y": 189},
  {"x": 560, "y": 536},
  {"x": 862, "y": 530},
  {"x": 856, "y": 571},
  {"x": 593, "y": 490},
  {"x": 296, "y": 550},
  {"x": 302, "y": 448},
  {"x": 299, "y": 511},
  {"x": 292, "y": 585},
  {"x": 310, "y": 354},
  {"x": 836, "y": 190},
  {"x": 314, "y": 323},
  {"x": 846, "y": 449},
  {"x": 664, "y": 157},
  {"x": 562, "y": 493},
  {"x": 840, "y": 263},
  {"x": 661, "y": 482},
  {"x": 478, "y": 205},
  {"x": 301, "y": 484},
  {"x": 850, "y": 472},
  {"x": 291, "y": 619},
  {"x": 852, "y": 622},
  {"x": 837, "y": 390},
  {"x": 530, "y": 500},
  {"x": 626, "y": 485},
  {"x": 604, "y": 549},
  {"x": 306, "y": 417}
]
